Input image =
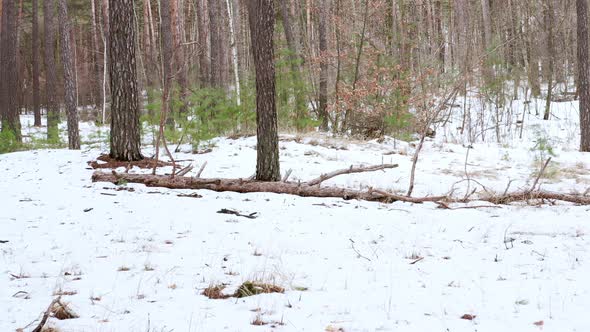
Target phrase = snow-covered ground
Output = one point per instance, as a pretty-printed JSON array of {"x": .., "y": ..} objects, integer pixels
[{"x": 138, "y": 259}]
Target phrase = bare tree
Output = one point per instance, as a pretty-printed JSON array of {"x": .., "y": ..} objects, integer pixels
[{"x": 262, "y": 19}]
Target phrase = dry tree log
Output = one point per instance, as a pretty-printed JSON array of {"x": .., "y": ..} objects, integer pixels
[{"x": 313, "y": 188}]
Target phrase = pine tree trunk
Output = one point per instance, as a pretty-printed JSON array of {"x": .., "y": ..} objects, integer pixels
[
  {"x": 323, "y": 39},
  {"x": 262, "y": 18},
  {"x": 295, "y": 60},
  {"x": 203, "y": 30},
  {"x": 125, "y": 127},
  {"x": 549, "y": 21},
  {"x": 35, "y": 50},
  {"x": 178, "y": 52},
  {"x": 67, "y": 60},
  {"x": 215, "y": 43},
  {"x": 583, "y": 73},
  {"x": 97, "y": 84},
  {"x": 50, "y": 71},
  {"x": 9, "y": 112}
]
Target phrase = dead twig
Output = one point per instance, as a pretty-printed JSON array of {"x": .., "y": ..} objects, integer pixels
[
  {"x": 540, "y": 174},
  {"x": 357, "y": 252},
  {"x": 39, "y": 327},
  {"x": 185, "y": 170},
  {"x": 201, "y": 170},
  {"x": 349, "y": 170}
]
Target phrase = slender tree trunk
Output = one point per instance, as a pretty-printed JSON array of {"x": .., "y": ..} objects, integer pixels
[
  {"x": 234, "y": 51},
  {"x": 217, "y": 55},
  {"x": 50, "y": 71},
  {"x": 203, "y": 51},
  {"x": 69, "y": 79},
  {"x": 35, "y": 55},
  {"x": 262, "y": 19},
  {"x": 549, "y": 21},
  {"x": 583, "y": 73},
  {"x": 295, "y": 61},
  {"x": 125, "y": 127},
  {"x": 178, "y": 52},
  {"x": 323, "y": 39},
  {"x": 97, "y": 84}
]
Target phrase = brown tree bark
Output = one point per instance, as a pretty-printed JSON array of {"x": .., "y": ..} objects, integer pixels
[
  {"x": 310, "y": 188},
  {"x": 262, "y": 18},
  {"x": 96, "y": 51},
  {"x": 323, "y": 39},
  {"x": 295, "y": 59},
  {"x": 549, "y": 21},
  {"x": 9, "y": 112},
  {"x": 583, "y": 73},
  {"x": 215, "y": 42},
  {"x": 50, "y": 71},
  {"x": 180, "y": 66},
  {"x": 203, "y": 37},
  {"x": 168, "y": 50},
  {"x": 35, "y": 56},
  {"x": 125, "y": 127},
  {"x": 67, "y": 60}
]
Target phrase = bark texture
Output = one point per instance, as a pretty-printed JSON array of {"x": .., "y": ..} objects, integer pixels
[
  {"x": 9, "y": 113},
  {"x": 583, "y": 74},
  {"x": 262, "y": 19},
  {"x": 50, "y": 71},
  {"x": 35, "y": 56},
  {"x": 67, "y": 60},
  {"x": 323, "y": 39},
  {"x": 125, "y": 126}
]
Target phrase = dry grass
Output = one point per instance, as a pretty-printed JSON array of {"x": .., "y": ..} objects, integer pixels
[
  {"x": 258, "y": 321},
  {"x": 63, "y": 311},
  {"x": 250, "y": 288},
  {"x": 215, "y": 292}
]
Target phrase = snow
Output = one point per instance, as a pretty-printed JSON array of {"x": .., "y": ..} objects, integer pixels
[{"x": 139, "y": 260}]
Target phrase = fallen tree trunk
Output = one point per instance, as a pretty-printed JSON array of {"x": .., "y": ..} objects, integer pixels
[
  {"x": 537, "y": 195},
  {"x": 250, "y": 186},
  {"x": 313, "y": 188}
]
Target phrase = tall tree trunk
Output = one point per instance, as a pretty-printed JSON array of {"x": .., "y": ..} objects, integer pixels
[
  {"x": 67, "y": 60},
  {"x": 487, "y": 23},
  {"x": 97, "y": 74},
  {"x": 35, "y": 55},
  {"x": 203, "y": 51},
  {"x": 549, "y": 21},
  {"x": 234, "y": 51},
  {"x": 125, "y": 127},
  {"x": 583, "y": 73},
  {"x": 295, "y": 61},
  {"x": 262, "y": 19},
  {"x": 50, "y": 71},
  {"x": 180, "y": 66},
  {"x": 215, "y": 21},
  {"x": 323, "y": 39},
  {"x": 9, "y": 112}
]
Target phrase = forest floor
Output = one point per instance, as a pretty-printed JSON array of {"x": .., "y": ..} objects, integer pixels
[{"x": 132, "y": 258}]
